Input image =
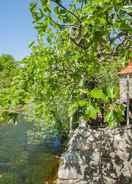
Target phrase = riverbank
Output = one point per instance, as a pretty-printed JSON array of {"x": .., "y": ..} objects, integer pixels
[{"x": 98, "y": 155}]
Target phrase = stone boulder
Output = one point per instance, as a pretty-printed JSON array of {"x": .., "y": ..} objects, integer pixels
[{"x": 98, "y": 156}]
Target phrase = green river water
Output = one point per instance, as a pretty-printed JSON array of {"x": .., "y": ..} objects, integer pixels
[{"x": 24, "y": 159}]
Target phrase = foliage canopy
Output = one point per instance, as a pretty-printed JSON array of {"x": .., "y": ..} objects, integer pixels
[{"x": 72, "y": 71}]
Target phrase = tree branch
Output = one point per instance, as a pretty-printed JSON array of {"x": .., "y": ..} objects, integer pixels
[
  {"x": 63, "y": 7},
  {"x": 82, "y": 4},
  {"x": 64, "y": 25},
  {"x": 78, "y": 44},
  {"x": 76, "y": 10}
]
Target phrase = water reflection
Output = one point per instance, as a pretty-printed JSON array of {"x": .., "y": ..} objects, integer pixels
[{"x": 26, "y": 158}]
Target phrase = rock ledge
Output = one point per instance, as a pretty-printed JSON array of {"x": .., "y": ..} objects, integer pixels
[{"x": 98, "y": 156}]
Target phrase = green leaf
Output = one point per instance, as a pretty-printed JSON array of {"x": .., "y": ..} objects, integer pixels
[
  {"x": 83, "y": 103},
  {"x": 112, "y": 92},
  {"x": 72, "y": 109},
  {"x": 91, "y": 111},
  {"x": 97, "y": 94}
]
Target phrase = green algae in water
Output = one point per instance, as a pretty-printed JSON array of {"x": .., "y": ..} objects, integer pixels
[
  {"x": 44, "y": 168},
  {"x": 40, "y": 169},
  {"x": 22, "y": 163}
]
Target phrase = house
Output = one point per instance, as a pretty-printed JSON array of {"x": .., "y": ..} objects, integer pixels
[{"x": 126, "y": 88}]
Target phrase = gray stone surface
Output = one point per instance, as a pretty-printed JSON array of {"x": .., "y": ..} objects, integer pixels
[
  {"x": 123, "y": 88},
  {"x": 98, "y": 156}
]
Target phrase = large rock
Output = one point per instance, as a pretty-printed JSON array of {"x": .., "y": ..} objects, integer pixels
[{"x": 98, "y": 156}]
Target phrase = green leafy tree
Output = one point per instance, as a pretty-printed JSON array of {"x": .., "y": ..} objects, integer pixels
[
  {"x": 8, "y": 70},
  {"x": 72, "y": 71},
  {"x": 90, "y": 40}
]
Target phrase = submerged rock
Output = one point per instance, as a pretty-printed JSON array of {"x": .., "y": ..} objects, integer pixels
[{"x": 98, "y": 156}]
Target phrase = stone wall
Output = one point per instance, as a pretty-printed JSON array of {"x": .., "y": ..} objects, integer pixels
[{"x": 98, "y": 156}]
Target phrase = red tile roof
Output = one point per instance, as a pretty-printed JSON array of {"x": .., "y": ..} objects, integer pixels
[{"x": 127, "y": 70}]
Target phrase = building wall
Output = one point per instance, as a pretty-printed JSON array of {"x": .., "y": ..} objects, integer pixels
[
  {"x": 130, "y": 87},
  {"x": 123, "y": 89}
]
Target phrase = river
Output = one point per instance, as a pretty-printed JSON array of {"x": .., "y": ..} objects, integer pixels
[{"x": 26, "y": 156}]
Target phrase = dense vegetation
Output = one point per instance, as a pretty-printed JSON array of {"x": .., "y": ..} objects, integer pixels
[{"x": 72, "y": 72}]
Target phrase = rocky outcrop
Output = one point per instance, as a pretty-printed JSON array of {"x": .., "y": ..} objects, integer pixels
[{"x": 98, "y": 156}]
